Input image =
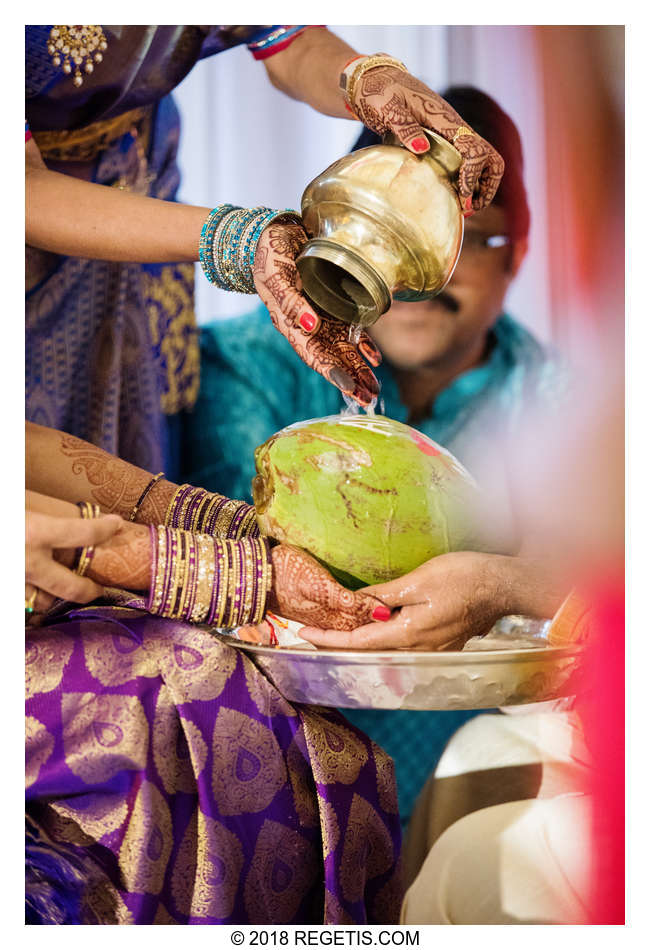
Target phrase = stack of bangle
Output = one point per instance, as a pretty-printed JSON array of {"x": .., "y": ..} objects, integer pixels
[
  {"x": 195, "y": 509},
  {"x": 201, "y": 579},
  {"x": 85, "y": 555},
  {"x": 229, "y": 239}
]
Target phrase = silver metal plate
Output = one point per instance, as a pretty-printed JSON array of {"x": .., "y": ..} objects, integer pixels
[{"x": 395, "y": 679}]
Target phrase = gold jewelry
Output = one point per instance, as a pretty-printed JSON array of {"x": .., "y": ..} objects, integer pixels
[
  {"x": 30, "y": 601},
  {"x": 358, "y": 68},
  {"x": 460, "y": 131},
  {"x": 88, "y": 510},
  {"x": 144, "y": 494},
  {"x": 249, "y": 521},
  {"x": 79, "y": 46}
]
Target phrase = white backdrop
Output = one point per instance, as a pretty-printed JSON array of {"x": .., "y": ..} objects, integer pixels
[{"x": 244, "y": 142}]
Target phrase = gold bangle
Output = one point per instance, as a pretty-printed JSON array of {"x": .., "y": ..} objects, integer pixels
[
  {"x": 221, "y": 578},
  {"x": 370, "y": 62},
  {"x": 172, "y": 503},
  {"x": 88, "y": 510},
  {"x": 460, "y": 131},
  {"x": 29, "y": 602},
  {"x": 144, "y": 494},
  {"x": 205, "y": 577}
]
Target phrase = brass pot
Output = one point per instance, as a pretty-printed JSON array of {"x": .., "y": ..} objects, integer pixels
[{"x": 383, "y": 223}]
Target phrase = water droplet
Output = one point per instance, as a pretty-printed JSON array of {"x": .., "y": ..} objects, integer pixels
[{"x": 354, "y": 333}]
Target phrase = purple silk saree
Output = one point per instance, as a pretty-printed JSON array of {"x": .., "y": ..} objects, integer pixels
[{"x": 204, "y": 795}]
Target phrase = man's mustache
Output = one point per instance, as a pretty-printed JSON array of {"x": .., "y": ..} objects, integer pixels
[{"x": 448, "y": 301}]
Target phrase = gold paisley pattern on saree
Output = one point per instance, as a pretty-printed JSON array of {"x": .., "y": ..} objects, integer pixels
[
  {"x": 193, "y": 664},
  {"x": 147, "y": 844},
  {"x": 248, "y": 766},
  {"x": 197, "y": 746},
  {"x": 170, "y": 748},
  {"x": 115, "y": 658},
  {"x": 265, "y": 696},
  {"x": 207, "y": 870},
  {"x": 97, "y": 814},
  {"x": 302, "y": 783},
  {"x": 282, "y": 871},
  {"x": 336, "y": 754},
  {"x": 107, "y": 907},
  {"x": 172, "y": 324},
  {"x": 103, "y": 735},
  {"x": 367, "y": 849},
  {"x": 39, "y": 744},
  {"x": 329, "y": 826},
  {"x": 386, "y": 786},
  {"x": 334, "y": 913},
  {"x": 388, "y": 901},
  {"x": 46, "y": 656}
]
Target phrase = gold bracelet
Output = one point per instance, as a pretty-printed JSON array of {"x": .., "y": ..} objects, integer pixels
[
  {"x": 157, "y": 581},
  {"x": 378, "y": 59},
  {"x": 88, "y": 510},
  {"x": 205, "y": 577},
  {"x": 172, "y": 503},
  {"x": 248, "y": 522},
  {"x": 144, "y": 494},
  {"x": 460, "y": 132},
  {"x": 221, "y": 579}
]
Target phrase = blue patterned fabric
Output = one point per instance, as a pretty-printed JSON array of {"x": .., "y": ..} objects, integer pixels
[{"x": 253, "y": 384}]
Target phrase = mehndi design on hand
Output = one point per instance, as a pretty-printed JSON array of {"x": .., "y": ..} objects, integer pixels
[
  {"x": 322, "y": 342},
  {"x": 389, "y": 100},
  {"x": 303, "y": 590}
]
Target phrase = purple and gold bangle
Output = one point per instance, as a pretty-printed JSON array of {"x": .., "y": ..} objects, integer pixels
[
  {"x": 153, "y": 602},
  {"x": 203, "y": 579}
]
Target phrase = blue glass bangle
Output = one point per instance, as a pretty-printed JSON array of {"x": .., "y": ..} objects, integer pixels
[
  {"x": 208, "y": 230},
  {"x": 228, "y": 244},
  {"x": 263, "y": 223}
]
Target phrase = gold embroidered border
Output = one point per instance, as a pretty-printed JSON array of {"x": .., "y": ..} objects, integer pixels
[{"x": 86, "y": 143}]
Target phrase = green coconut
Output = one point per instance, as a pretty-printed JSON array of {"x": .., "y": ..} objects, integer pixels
[{"x": 371, "y": 498}]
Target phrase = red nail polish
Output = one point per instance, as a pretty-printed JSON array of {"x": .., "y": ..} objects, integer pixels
[
  {"x": 381, "y": 613},
  {"x": 420, "y": 145},
  {"x": 307, "y": 322}
]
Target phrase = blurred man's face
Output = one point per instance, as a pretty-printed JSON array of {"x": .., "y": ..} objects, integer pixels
[{"x": 414, "y": 335}]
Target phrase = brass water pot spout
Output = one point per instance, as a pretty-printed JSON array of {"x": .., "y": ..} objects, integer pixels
[{"x": 383, "y": 224}]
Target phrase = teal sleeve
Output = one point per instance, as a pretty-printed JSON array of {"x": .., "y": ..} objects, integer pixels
[
  {"x": 231, "y": 418},
  {"x": 252, "y": 385}
]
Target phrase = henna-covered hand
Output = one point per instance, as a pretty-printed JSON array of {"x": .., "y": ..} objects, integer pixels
[
  {"x": 125, "y": 560},
  {"x": 320, "y": 341},
  {"x": 387, "y": 99},
  {"x": 303, "y": 590}
]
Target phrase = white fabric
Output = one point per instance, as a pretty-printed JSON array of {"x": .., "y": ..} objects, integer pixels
[
  {"x": 516, "y": 863},
  {"x": 501, "y": 832}
]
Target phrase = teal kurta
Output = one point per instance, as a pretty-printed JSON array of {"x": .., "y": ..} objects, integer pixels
[{"x": 253, "y": 384}]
